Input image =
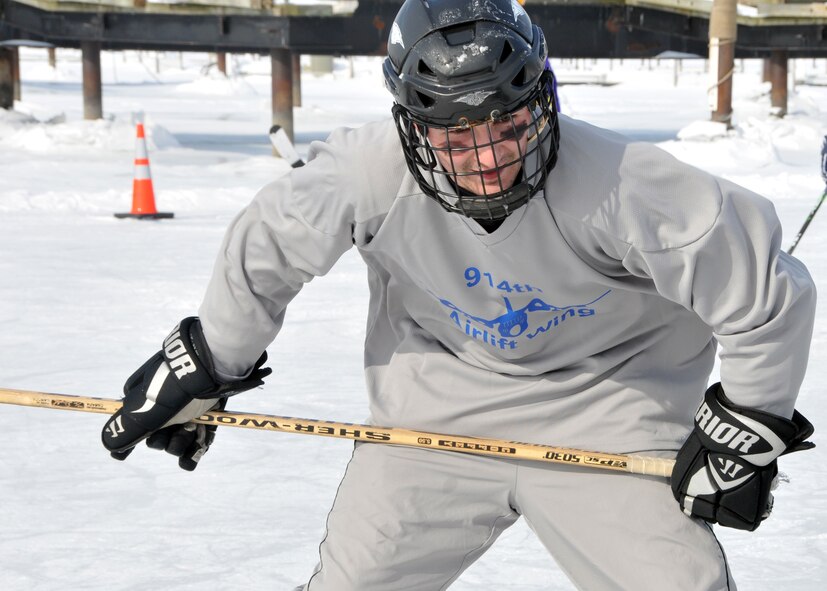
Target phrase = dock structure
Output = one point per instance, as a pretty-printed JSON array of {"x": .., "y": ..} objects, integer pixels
[
  {"x": 574, "y": 28},
  {"x": 284, "y": 29}
]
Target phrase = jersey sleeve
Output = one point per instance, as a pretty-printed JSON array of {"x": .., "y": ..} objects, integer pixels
[
  {"x": 759, "y": 301},
  {"x": 295, "y": 229}
]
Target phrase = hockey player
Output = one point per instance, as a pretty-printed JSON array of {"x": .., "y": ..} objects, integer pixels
[{"x": 532, "y": 278}]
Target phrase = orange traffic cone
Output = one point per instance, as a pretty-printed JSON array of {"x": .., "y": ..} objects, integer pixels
[{"x": 143, "y": 196}]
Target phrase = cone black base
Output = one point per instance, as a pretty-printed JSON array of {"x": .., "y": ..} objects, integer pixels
[{"x": 161, "y": 215}]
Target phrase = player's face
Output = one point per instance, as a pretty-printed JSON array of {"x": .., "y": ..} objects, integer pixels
[{"x": 484, "y": 158}]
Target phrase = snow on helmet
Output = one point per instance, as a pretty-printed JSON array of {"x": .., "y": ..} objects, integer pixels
[{"x": 454, "y": 65}]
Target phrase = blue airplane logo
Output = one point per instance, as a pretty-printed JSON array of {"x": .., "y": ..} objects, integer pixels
[{"x": 515, "y": 322}]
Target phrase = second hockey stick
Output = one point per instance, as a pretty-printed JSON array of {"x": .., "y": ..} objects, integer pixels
[
  {"x": 372, "y": 434},
  {"x": 281, "y": 142},
  {"x": 820, "y": 201},
  {"x": 807, "y": 222}
]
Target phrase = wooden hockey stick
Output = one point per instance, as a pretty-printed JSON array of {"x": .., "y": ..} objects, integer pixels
[{"x": 369, "y": 433}]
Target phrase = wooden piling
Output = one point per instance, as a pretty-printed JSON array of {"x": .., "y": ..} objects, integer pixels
[
  {"x": 297, "y": 79},
  {"x": 282, "y": 89},
  {"x": 15, "y": 73},
  {"x": 6, "y": 79},
  {"x": 778, "y": 80},
  {"x": 722, "y": 36},
  {"x": 92, "y": 93}
]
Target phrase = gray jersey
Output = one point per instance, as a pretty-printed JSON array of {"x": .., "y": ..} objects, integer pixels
[{"x": 588, "y": 319}]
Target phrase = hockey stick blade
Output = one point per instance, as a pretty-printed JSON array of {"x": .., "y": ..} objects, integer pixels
[
  {"x": 498, "y": 448},
  {"x": 285, "y": 147}
]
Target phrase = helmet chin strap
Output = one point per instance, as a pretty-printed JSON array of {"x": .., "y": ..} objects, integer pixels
[
  {"x": 496, "y": 207},
  {"x": 492, "y": 207}
]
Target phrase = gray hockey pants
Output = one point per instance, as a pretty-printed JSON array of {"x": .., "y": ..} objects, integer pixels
[{"x": 412, "y": 519}]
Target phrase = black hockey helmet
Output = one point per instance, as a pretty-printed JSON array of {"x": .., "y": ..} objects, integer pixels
[{"x": 453, "y": 64}]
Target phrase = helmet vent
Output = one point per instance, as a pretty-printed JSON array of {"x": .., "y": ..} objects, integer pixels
[
  {"x": 459, "y": 34},
  {"x": 423, "y": 69},
  {"x": 519, "y": 80},
  {"x": 507, "y": 50},
  {"x": 425, "y": 100}
]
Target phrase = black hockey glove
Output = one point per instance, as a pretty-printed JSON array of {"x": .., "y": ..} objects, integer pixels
[
  {"x": 727, "y": 467},
  {"x": 174, "y": 386}
]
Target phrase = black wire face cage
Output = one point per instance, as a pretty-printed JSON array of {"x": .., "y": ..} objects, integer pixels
[{"x": 484, "y": 169}]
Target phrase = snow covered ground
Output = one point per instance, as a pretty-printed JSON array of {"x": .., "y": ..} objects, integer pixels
[{"x": 85, "y": 298}]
